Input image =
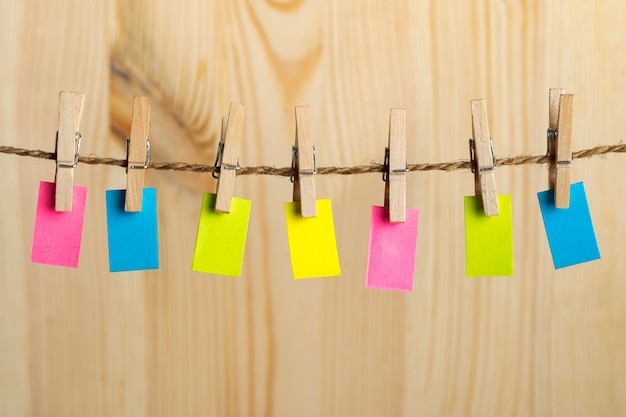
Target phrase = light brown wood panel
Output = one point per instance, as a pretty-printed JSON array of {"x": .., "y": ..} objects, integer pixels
[{"x": 174, "y": 342}]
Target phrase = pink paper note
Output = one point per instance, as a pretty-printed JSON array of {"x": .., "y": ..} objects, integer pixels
[
  {"x": 57, "y": 236},
  {"x": 391, "y": 258}
]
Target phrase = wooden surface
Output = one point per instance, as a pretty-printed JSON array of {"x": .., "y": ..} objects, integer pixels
[{"x": 175, "y": 343}]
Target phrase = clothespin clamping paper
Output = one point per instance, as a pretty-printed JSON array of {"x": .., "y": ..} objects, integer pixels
[
  {"x": 560, "y": 145},
  {"x": 488, "y": 216},
  {"x": 396, "y": 167},
  {"x": 564, "y": 207},
  {"x": 132, "y": 232},
  {"x": 223, "y": 225},
  {"x": 137, "y": 154},
  {"x": 227, "y": 158},
  {"x": 393, "y": 228},
  {"x": 310, "y": 226},
  {"x": 61, "y": 205},
  {"x": 483, "y": 158},
  {"x": 304, "y": 163},
  {"x": 67, "y": 147}
]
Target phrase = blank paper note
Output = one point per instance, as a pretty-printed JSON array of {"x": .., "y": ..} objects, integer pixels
[
  {"x": 570, "y": 231},
  {"x": 221, "y": 238},
  {"x": 133, "y": 237},
  {"x": 488, "y": 239},
  {"x": 391, "y": 255},
  {"x": 57, "y": 236},
  {"x": 312, "y": 243}
]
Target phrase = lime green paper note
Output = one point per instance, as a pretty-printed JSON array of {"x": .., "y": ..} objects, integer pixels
[
  {"x": 488, "y": 240},
  {"x": 221, "y": 237},
  {"x": 312, "y": 243}
]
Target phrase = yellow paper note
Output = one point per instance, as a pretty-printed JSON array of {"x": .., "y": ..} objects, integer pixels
[
  {"x": 488, "y": 240},
  {"x": 312, "y": 243},
  {"x": 221, "y": 237}
]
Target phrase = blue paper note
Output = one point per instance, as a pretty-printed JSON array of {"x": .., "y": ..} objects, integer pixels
[
  {"x": 133, "y": 237},
  {"x": 570, "y": 231}
]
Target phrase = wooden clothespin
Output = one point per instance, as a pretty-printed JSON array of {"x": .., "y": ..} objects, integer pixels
[
  {"x": 304, "y": 164},
  {"x": 67, "y": 147},
  {"x": 137, "y": 154},
  {"x": 483, "y": 158},
  {"x": 396, "y": 167},
  {"x": 228, "y": 156},
  {"x": 560, "y": 144}
]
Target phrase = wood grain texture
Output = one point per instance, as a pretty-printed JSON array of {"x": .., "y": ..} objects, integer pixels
[{"x": 173, "y": 342}]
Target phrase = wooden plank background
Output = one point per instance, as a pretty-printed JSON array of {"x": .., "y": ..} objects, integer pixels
[{"x": 175, "y": 343}]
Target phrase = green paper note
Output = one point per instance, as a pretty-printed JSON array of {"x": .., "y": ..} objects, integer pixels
[
  {"x": 312, "y": 242},
  {"x": 221, "y": 237},
  {"x": 488, "y": 240}
]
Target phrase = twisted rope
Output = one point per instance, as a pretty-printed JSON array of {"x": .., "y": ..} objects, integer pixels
[{"x": 288, "y": 171}]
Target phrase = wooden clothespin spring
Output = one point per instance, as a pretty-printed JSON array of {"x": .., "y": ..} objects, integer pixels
[
  {"x": 63, "y": 199},
  {"x": 479, "y": 171},
  {"x": 294, "y": 166},
  {"x": 130, "y": 165},
  {"x": 218, "y": 161},
  {"x": 71, "y": 164},
  {"x": 294, "y": 158},
  {"x": 473, "y": 162}
]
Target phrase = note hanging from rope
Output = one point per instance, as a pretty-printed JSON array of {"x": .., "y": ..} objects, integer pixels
[
  {"x": 57, "y": 236},
  {"x": 221, "y": 238},
  {"x": 570, "y": 233},
  {"x": 312, "y": 243},
  {"x": 391, "y": 255},
  {"x": 133, "y": 237},
  {"x": 488, "y": 239}
]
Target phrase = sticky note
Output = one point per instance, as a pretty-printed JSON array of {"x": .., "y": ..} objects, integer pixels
[
  {"x": 391, "y": 255},
  {"x": 570, "y": 231},
  {"x": 312, "y": 243},
  {"x": 488, "y": 239},
  {"x": 57, "y": 236},
  {"x": 133, "y": 237},
  {"x": 221, "y": 237}
]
